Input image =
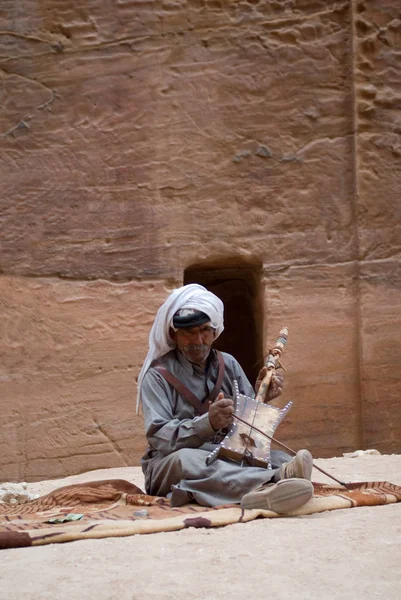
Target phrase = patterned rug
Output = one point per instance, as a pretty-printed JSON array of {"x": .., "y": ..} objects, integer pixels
[{"x": 115, "y": 507}]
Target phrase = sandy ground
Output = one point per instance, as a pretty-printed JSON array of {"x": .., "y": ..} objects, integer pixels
[{"x": 344, "y": 554}]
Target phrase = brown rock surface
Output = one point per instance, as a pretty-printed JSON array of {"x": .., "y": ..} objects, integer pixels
[
  {"x": 70, "y": 351},
  {"x": 142, "y": 139}
]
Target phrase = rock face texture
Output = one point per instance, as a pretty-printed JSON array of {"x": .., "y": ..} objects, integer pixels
[{"x": 253, "y": 146}]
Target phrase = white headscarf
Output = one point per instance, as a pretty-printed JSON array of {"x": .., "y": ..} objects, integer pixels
[{"x": 188, "y": 296}]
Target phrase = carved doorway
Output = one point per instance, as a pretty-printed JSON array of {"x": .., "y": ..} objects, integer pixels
[{"x": 239, "y": 286}]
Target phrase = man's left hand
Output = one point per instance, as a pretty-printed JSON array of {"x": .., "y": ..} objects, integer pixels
[{"x": 275, "y": 387}]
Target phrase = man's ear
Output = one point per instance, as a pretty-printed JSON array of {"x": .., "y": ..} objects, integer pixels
[{"x": 172, "y": 334}]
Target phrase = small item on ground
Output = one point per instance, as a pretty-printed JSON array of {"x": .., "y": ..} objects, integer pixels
[
  {"x": 66, "y": 518},
  {"x": 360, "y": 453}
]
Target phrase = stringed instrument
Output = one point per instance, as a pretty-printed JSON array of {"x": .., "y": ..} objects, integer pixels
[{"x": 255, "y": 421}]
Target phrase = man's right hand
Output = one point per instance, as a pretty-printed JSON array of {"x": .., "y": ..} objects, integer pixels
[{"x": 221, "y": 412}]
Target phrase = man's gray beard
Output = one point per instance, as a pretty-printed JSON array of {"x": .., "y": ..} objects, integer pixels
[{"x": 197, "y": 348}]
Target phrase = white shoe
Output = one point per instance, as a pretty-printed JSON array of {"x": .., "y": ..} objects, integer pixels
[
  {"x": 281, "y": 497},
  {"x": 300, "y": 466}
]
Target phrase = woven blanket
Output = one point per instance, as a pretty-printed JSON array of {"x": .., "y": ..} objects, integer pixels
[{"x": 115, "y": 507}]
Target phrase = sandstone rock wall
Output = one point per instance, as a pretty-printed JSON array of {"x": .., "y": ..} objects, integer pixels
[{"x": 140, "y": 138}]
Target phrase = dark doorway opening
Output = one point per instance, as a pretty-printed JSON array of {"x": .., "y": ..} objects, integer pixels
[{"x": 239, "y": 286}]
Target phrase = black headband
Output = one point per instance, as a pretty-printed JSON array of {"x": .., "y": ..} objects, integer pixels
[{"x": 187, "y": 318}]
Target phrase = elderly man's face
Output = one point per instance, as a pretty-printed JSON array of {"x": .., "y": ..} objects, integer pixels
[{"x": 195, "y": 343}]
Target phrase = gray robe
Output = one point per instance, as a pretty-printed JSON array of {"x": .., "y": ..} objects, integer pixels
[{"x": 179, "y": 440}]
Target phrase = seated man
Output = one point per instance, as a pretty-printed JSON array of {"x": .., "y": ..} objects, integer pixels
[{"x": 180, "y": 437}]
